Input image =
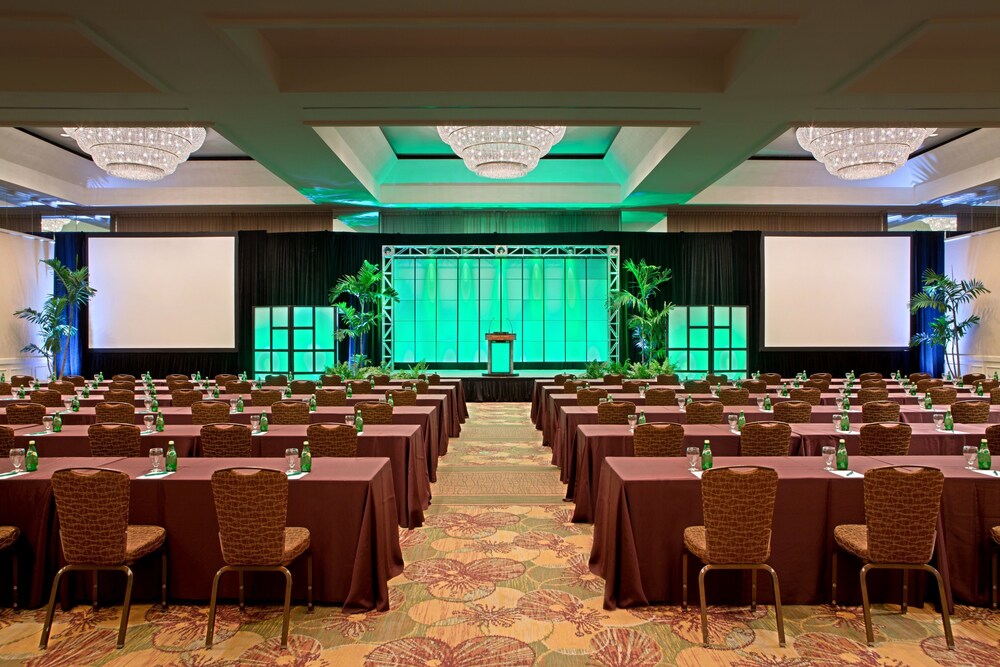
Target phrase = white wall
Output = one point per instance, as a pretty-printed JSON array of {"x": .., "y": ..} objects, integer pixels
[
  {"x": 24, "y": 282},
  {"x": 978, "y": 256}
]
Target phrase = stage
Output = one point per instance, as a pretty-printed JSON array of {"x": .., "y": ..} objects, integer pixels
[{"x": 481, "y": 389}]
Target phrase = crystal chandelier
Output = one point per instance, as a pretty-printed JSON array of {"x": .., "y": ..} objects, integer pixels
[
  {"x": 138, "y": 153},
  {"x": 501, "y": 151},
  {"x": 855, "y": 153}
]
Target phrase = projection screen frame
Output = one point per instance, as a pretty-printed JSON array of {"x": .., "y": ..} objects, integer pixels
[
  {"x": 186, "y": 350},
  {"x": 762, "y": 347}
]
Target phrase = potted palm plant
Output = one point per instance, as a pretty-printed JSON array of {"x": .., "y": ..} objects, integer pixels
[
  {"x": 647, "y": 323},
  {"x": 946, "y": 295},
  {"x": 369, "y": 296}
]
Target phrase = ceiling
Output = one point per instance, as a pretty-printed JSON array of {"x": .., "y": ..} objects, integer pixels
[
  {"x": 336, "y": 103},
  {"x": 215, "y": 147}
]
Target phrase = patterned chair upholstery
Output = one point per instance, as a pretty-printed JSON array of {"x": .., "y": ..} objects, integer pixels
[
  {"x": 328, "y": 397},
  {"x": 717, "y": 379},
  {"x": 374, "y": 413},
  {"x": 591, "y": 396},
  {"x": 925, "y": 385},
  {"x": 972, "y": 378},
  {"x": 226, "y": 441},
  {"x": 704, "y": 412},
  {"x": 793, "y": 412},
  {"x": 331, "y": 380},
  {"x": 668, "y": 379},
  {"x": 183, "y": 398},
  {"x": 870, "y": 394},
  {"x": 434, "y": 378},
  {"x": 992, "y": 439},
  {"x": 359, "y": 386},
  {"x": 209, "y": 412},
  {"x": 885, "y": 439},
  {"x": 8, "y": 538},
  {"x": 754, "y": 386},
  {"x": 21, "y": 380},
  {"x": 266, "y": 397},
  {"x": 874, "y": 384},
  {"x": 238, "y": 387},
  {"x": 697, "y": 387},
  {"x": 275, "y": 380},
  {"x": 251, "y": 505},
  {"x": 123, "y": 385},
  {"x": 174, "y": 385},
  {"x": 92, "y": 506},
  {"x": 381, "y": 379},
  {"x": 5, "y": 388},
  {"x": 402, "y": 396},
  {"x": 222, "y": 379},
  {"x": 77, "y": 380},
  {"x": 332, "y": 440},
  {"x": 571, "y": 386},
  {"x": 995, "y": 396},
  {"x": 176, "y": 377},
  {"x": 765, "y": 439},
  {"x": 659, "y": 440},
  {"x": 772, "y": 379},
  {"x": 123, "y": 377},
  {"x": 616, "y": 412},
  {"x": 614, "y": 379},
  {"x": 731, "y": 396},
  {"x": 120, "y": 395},
  {"x": 6, "y": 440},
  {"x": 822, "y": 377},
  {"x": 302, "y": 386},
  {"x": 880, "y": 411},
  {"x": 864, "y": 377},
  {"x": 810, "y": 395},
  {"x": 632, "y": 386},
  {"x": 971, "y": 412},
  {"x": 661, "y": 396},
  {"x": 561, "y": 379},
  {"x": 901, "y": 517},
  {"x": 943, "y": 395},
  {"x": 114, "y": 440},
  {"x": 738, "y": 506},
  {"x": 917, "y": 377},
  {"x": 822, "y": 385},
  {"x": 289, "y": 412},
  {"x": 995, "y": 534},
  {"x": 420, "y": 386},
  {"x": 25, "y": 413},
  {"x": 110, "y": 412},
  {"x": 63, "y": 387},
  {"x": 988, "y": 385},
  {"x": 47, "y": 397}
]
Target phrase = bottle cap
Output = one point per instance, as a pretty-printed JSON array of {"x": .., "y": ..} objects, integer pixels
[{"x": 170, "y": 442}]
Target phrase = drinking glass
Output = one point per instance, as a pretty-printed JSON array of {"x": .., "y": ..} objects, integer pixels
[
  {"x": 382, "y": 399},
  {"x": 292, "y": 459},
  {"x": 255, "y": 423},
  {"x": 156, "y": 459},
  {"x": 17, "y": 458},
  {"x": 829, "y": 453},
  {"x": 970, "y": 452},
  {"x": 760, "y": 402},
  {"x": 68, "y": 403},
  {"x": 938, "y": 421},
  {"x": 349, "y": 419},
  {"x": 47, "y": 423},
  {"x": 694, "y": 458},
  {"x": 642, "y": 392},
  {"x": 732, "y": 418},
  {"x": 840, "y": 402},
  {"x": 836, "y": 422},
  {"x": 97, "y": 378},
  {"x": 232, "y": 405},
  {"x": 148, "y": 422},
  {"x": 146, "y": 393},
  {"x": 632, "y": 421},
  {"x": 680, "y": 402},
  {"x": 712, "y": 390},
  {"x": 148, "y": 403}
]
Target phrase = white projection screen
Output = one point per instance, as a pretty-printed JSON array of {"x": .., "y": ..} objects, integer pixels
[
  {"x": 836, "y": 291},
  {"x": 162, "y": 292}
]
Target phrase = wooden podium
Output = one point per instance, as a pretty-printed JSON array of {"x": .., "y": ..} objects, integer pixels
[{"x": 500, "y": 338}]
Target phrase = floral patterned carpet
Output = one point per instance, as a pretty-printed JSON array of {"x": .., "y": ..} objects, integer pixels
[{"x": 498, "y": 577}]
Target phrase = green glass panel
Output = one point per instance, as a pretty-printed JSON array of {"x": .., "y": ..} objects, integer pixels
[
  {"x": 532, "y": 351},
  {"x": 403, "y": 311},
  {"x": 698, "y": 361},
  {"x": 325, "y": 359},
  {"x": 698, "y": 338},
  {"x": 677, "y": 328},
  {"x": 555, "y": 350},
  {"x": 679, "y": 360},
  {"x": 279, "y": 317},
  {"x": 501, "y": 358},
  {"x": 721, "y": 360},
  {"x": 597, "y": 350},
  {"x": 302, "y": 339},
  {"x": 721, "y": 338},
  {"x": 303, "y": 316},
  {"x": 554, "y": 268},
  {"x": 303, "y": 362},
  {"x": 468, "y": 351},
  {"x": 447, "y": 290},
  {"x": 554, "y": 310},
  {"x": 426, "y": 330},
  {"x": 262, "y": 362},
  {"x": 447, "y": 352},
  {"x": 447, "y": 269},
  {"x": 597, "y": 310},
  {"x": 739, "y": 327},
  {"x": 721, "y": 314},
  {"x": 324, "y": 327},
  {"x": 279, "y": 362},
  {"x": 261, "y": 328},
  {"x": 597, "y": 268},
  {"x": 404, "y": 353},
  {"x": 279, "y": 339},
  {"x": 403, "y": 334},
  {"x": 740, "y": 361},
  {"x": 576, "y": 351},
  {"x": 533, "y": 330},
  {"x": 576, "y": 330},
  {"x": 447, "y": 312},
  {"x": 425, "y": 349},
  {"x": 533, "y": 309},
  {"x": 698, "y": 316}
]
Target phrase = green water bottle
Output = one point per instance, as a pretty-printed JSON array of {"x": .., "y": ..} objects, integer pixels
[
  {"x": 784, "y": 389},
  {"x": 312, "y": 403},
  {"x": 263, "y": 422},
  {"x": 847, "y": 402},
  {"x": 154, "y": 404},
  {"x": 373, "y": 382},
  {"x": 948, "y": 376},
  {"x": 215, "y": 394},
  {"x": 388, "y": 398},
  {"x": 350, "y": 391},
  {"x": 20, "y": 391},
  {"x": 642, "y": 417},
  {"x": 984, "y": 460},
  {"x": 86, "y": 391},
  {"x": 159, "y": 422},
  {"x": 949, "y": 421},
  {"x": 767, "y": 402},
  {"x": 795, "y": 384},
  {"x": 31, "y": 457},
  {"x": 842, "y": 462},
  {"x": 359, "y": 422},
  {"x": 961, "y": 383},
  {"x": 3, "y": 376},
  {"x": 996, "y": 377},
  {"x": 100, "y": 375},
  {"x": 741, "y": 421},
  {"x": 36, "y": 385},
  {"x": 928, "y": 404},
  {"x": 239, "y": 404},
  {"x": 979, "y": 389},
  {"x": 845, "y": 422},
  {"x": 170, "y": 459},
  {"x": 913, "y": 389},
  {"x": 57, "y": 423},
  {"x": 75, "y": 403},
  {"x": 706, "y": 456},
  {"x": 288, "y": 391},
  {"x": 688, "y": 400},
  {"x": 306, "y": 458}
]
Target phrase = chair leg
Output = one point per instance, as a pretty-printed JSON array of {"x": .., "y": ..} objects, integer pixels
[
  {"x": 163, "y": 579},
  {"x": 778, "y": 616},
  {"x": 994, "y": 578},
  {"x": 309, "y": 582},
  {"x": 211, "y": 608},
  {"x": 753, "y": 591},
  {"x": 906, "y": 591},
  {"x": 13, "y": 559},
  {"x": 833, "y": 578},
  {"x": 704, "y": 608},
  {"x": 865, "y": 606},
  {"x": 945, "y": 616},
  {"x": 288, "y": 607},
  {"x": 243, "y": 606},
  {"x": 126, "y": 608},
  {"x": 50, "y": 611},
  {"x": 684, "y": 581},
  {"x": 94, "y": 594}
]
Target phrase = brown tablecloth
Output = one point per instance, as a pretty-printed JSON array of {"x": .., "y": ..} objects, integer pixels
[
  {"x": 925, "y": 440},
  {"x": 915, "y": 414},
  {"x": 72, "y": 440}
]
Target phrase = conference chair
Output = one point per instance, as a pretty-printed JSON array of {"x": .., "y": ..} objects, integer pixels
[
  {"x": 239, "y": 387},
  {"x": 885, "y": 439},
  {"x": 810, "y": 395},
  {"x": 25, "y": 413},
  {"x": 632, "y": 386},
  {"x": 331, "y": 380},
  {"x": 730, "y": 396},
  {"x": 77, "y": 380},
  {"x": 992, "y": 439},
  {"x": 988, "y": 385},
  {"x": 251, "y": 505},
  {"x": 222, "y": 379},
  {"x": 864, "y": 377},
  {"x": 972, "y": 378},
  {"x": 176, "y": 377},
  {"x": 717, "y": 379},
  {"x": 21, "y": 380},
  {"x": 613, "y": 379},
  {"x": 174, "y": 385},
  {"x": 562, "y": 378},
  {"x": 302, "y": 386},
  {"x": 92, "y": 507},
  {"x": 874, "y": 384},
  {"x": 112, "y": 412},
  {"x": 209, "y": 412},
  {"x": 374, "y": 413},
  {"x": 123, "y": 385},
  {"x": 822, "y": 385},
  {"x": 572, "y": 386},
  {"x": 995, "y": 396},
  {"x": 114, "y": 440},
  {"x": 917, "y": 377},
  {"x": 697, "y": 387},
  {"x": 402, "y": 396},
  {"x": 329, "y": 397},
  {"x": 659, "y": 440},
  {"x": 925, "y": 385},
  {"x": 226, "y": 441},
  {"x": 616, "y": 412},
  {"x": 267, "y": 397},
  {"x": 381, "y": 379},
  {"x": 943, "y": 395},
  {"x": 63, "y": 387},
  {"x": 333, "y": 440},
  {"x": 870, "y": 394},
  {"x": 822, "y": 377},
  {"x": 901, "y": 516},
  {"x": 591, "y": 396},
  {"x": 420, "y": 386},
  {"x": 704, "y": 412},
  {"x": 359, "y": 386},
  {"x": 5, "y": 388},
  {"x": 661, "y": 396},
  {"x": 754, "y": 386},
  {"x": 738, "y": 506},
  {"x": 880, "y": 411},
  {"x": 668, "y": 379},
  {"x": 971, "y": 412},
  {"x": 8, "y": 538},
  {"x": 6, "y": 440},
  {"x": 434, "y": 378},
  {"x": 275, "y": 380},
  {"x": 994, "y": 533},
  {"x": 120, "y": 395},
  {"x": 47, "y": 397},
  {"x": 772, "y": 379},
  {"x": 766, "y": 439},
  {"x": 289, "y": 412},
  {"x": 123, "y": 377},
  {"x": 793, "y": 412},
  {"x": 183, "y": 398}
]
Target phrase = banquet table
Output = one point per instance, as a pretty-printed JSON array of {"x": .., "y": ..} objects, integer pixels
[
  {"x": 925, "y": 440},
  {"x": 644, "y": 505},
  {"x": 354, "y": 539}
]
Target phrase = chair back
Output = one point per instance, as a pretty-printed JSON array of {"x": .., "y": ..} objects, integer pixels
[
  {"x": 332, "y": 440},
  {"x": 972, "y": 378},
  {"x": 114, "y": 440},
  {"x": 120, "y": 395},
  {"x": 668, "y": 379},
  {"x": 632, "y": 386},
  {"x": 238, "y": 387},
  {"x": 222, "y": 379},
  {"x": 359, "y": 386},
  {"x": 174, "y": 385},
  {"x": 613, "y": 379},
  {"x": 374, "y": 413},
  {"x": 47, "y": 397},
  {"x": 123, "y": 385},
  {"x": 112, "y": 412},
  {"x": 926, "y": 384},
  {"x": 810, "y": 395},
  {"x": 616, "y": 412},
  {"x": 381, "y": 379},
  {"x": 885, "y": 439},
  {"x": 63, "y": 387},
  {"x": 92, "y": 506},
  {"x": 971, "y": 412},
  {"x": 821, "y": 385},
  {"x": 704, "y": 412},
  {"x": 943, "y": 395},
  {"x": 917, "y": 377},
  {"x": 793, "y": 412},
  {"x": 880, "y": 411},
  {"x": 865, "y": 377},
  {"x": 738, "y": 505},
  {"x": 988, "y": 385},
  {"x": 176, "y": 377},
  {"x": 771, "y": 379},
  {"x": 591, "y": 396},
  {"x": 434, "y": 378},
  {"x": 289, "y": 412},
  {"x": 716, "y": 379},
  {"x": 754, "y": 386},
  {"x": 183, "y": 398},
  {"x": 402, "y": 396},
  {"x": 209, "y": 412},
  {"x": 901, "y": 512},
  {"x": 251, "y": 505},
  {"x": 21, "y": 380},
  {"x": 869, "y": 394},
  {"x": 661, "y": 396},
  {"x": 822, "y": 377},
  {"x": 25, "y": 413},
  {"x": 874, "y": 384},
  {"x": 560, "y": 379},
  {"x": 659, "y": 440},
  {"x": 302, "y": 386},
  {"x": 123, "y": 377},
  {"x": 6, "y": 440},
  {"x": 330, "y": 380},
  {"x": 328, "y": 397},
  {"x": 225, "y": 441},
  {"x": 275, "y": 380},
  {"x": 5, "y": 388},
  {"x": 992, "y": 439},
  {"x": 765, "y": 439},
  {"x": 420, "y": 386},
  {"x": 995, "y": 396},
  {"x": 732, "y": 396},
  {"x": 697, "y": 387},
  {"x": 571, "y": 386},
  {"x": 266, "y": 397}
]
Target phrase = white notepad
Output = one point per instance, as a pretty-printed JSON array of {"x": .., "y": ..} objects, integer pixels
[
  {"x": 988, "y": 473},
  {"x": 846, "y": 473},
  {"x": 155, "y": 475}
]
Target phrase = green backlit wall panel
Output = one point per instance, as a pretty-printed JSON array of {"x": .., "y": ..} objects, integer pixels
[
  {"x": 294, "y": 339},
  {"x": 708, "y": 339}
]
